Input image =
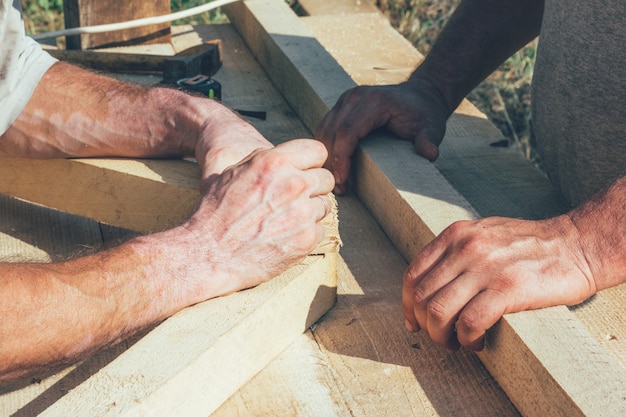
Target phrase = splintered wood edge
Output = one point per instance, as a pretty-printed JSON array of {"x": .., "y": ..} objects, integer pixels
[
  {"x": 140, "y": 195},
  {"x": 565, "y": 371}
]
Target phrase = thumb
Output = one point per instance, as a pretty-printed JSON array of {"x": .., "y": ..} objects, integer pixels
[{"x": 427, "y": 142}]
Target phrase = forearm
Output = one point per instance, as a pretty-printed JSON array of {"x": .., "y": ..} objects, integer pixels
[
  {"x": 601, "y": 224},
  {"x": 479, "y": 37},
  {"x": 77, "y": 113},
  {"x": 56, "y": 314}
]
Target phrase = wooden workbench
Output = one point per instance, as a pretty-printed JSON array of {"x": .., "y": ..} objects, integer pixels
[{"x": 358, "y": 360}]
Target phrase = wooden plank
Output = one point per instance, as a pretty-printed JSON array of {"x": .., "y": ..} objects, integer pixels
[
  {"x": 79, "y": 13},
  {"x": 494, "y": 180},
  {"x": 275, "y": 36},
  {"x": 139, "y": 195},
  {"x": 359, "y": 360},
  {"x": 144, "y": 196},
  {"x": 297, "y": 383},
  {"x": 337, "y": 7},
  {"x": 31, "y": 233},
  {"x": 208, "y": 351},
  {"x": 545, "y": 360},
  {"x": 250, "y": 327},
  {"x": 196, "y": 359}
]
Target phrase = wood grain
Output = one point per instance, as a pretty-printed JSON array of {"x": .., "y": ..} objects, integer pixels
[
  {"x": 189, "y": 346},
  {"x": 140, "y": 195},
  {"x": 426, "y": 205},
  {"x": 359, "y": 360},
  {"x": 79, "y": 13}
]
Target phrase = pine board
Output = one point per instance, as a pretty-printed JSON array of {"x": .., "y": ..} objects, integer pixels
[
  {"x": 495, "y": 181},
  {"x": 231, "y": 338},
  {"x": 81, "y": 13},
  {"x": 275, "y": 37},
  {"x": 337, "y": 7},
  {"x": 359, "y": 360}
]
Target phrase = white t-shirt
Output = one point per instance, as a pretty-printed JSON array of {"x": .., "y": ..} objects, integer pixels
[{"x": 22, "y": 63}]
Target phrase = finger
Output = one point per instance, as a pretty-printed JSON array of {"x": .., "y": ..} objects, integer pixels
[
  {"x": 340, "y": 143},
  {"x": 358, "y": 124},
  {"x": 356, "y": 114},
  {"x": 445, "y": 307},
  {"x": 480, "y": 314},
  {"x": 410, "y": 321},
  {"x": 427, "y": 140},
  {"x": 326, "y": 205},
  {"x": 327, "y": 130},
  {"x": 421, "y": 265},
  {"x": 432, "y": 269},
  {"x": 322, "y": 180},
  {"x": 303, "y": 153}
]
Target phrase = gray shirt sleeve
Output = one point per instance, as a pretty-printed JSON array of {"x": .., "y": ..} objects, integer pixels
[{"x": 22, "y": 63}]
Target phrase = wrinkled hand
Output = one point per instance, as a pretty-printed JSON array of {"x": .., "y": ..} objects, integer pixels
[
  {"x": 261, "y": 216},
  {"x": 413, "y": 111},
  {"x": 226, "y": 139},
  {"x": 476, "y": 271}
]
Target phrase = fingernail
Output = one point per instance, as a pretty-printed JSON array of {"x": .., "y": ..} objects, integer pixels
[{"x": 409, "y": 326}]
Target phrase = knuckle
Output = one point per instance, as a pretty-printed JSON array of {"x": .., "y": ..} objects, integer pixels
[
  {"x": 472, "y": 244},
  {"x": 269, "y": 162},
  {"x": 420, "y": 298},
  {"x": 457, "y": 228},
  {"x": 470, "y": 323},
  {"x": 327, "y": 180},
  {"x": 437, "y": 311},
  {"x": 467, "y": 237},
  {"x": 295, "y": 185},
  {"x": 307, "y": 241}
]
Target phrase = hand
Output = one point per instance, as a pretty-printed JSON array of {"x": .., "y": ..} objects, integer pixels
[
  {"x": 258, "y": 218},
  {"x": 412, "y": 110},
  {"x": 476, "y": 271},
  {"x": 226, "y": 139}
]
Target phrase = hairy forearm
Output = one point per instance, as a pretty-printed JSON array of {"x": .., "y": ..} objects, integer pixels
[
  {"x": 55, "y": 314},
  {"x": 601, "y": 224},
  {"x": 77, "y": 113},
  {"x": 479, "y": 37}
]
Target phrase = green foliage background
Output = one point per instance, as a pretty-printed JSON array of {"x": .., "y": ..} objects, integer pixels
[{"x": 504, "y": 97}]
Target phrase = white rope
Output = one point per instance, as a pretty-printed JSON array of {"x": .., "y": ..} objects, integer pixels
[{"x": 135, "y": 23}]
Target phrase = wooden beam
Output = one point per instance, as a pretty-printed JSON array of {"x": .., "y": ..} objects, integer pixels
[
  {"x": 196, "y": 359},
  {"x": 140, "y": 195},
  {"x": 362, "y": 361},
  {"x": 526, "y": 353},
  {"x": 195, "y": 345},
  {"x": 337, "y": 7},
  {"x": 80, "y": 13}
]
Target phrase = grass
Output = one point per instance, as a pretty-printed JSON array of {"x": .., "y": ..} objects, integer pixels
[{"x": 504, "y": 97}]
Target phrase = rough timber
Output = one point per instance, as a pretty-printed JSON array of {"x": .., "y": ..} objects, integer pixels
[{"x": 359, "y": 360}]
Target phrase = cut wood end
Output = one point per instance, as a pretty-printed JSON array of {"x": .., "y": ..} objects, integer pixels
[{"x": 331, "y": 241}]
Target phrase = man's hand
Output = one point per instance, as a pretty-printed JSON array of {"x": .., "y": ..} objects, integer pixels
[
  {"x": 256, "y": 219},
  {"x": 476, "y": 271},
  {"x": 414, "y": 111},
  {"x": 225, "y": 139}
]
